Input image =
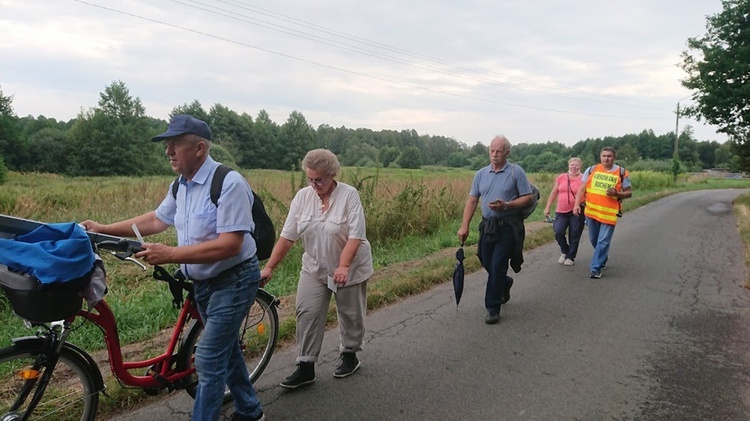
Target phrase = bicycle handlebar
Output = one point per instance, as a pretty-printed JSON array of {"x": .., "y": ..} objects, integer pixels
[
  {"x": 117, "y": 244},
  {"x": 11, "y": 226}
]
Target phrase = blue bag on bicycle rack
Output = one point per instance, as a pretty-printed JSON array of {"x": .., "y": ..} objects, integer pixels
[
  {"x": 51, "y": 253},
  {"x": 47, "y": 272}
]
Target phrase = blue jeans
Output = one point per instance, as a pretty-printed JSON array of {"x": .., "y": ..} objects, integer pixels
[
  {"x": 223, "y": 302},
  {"x": 601, "y": 236},
  {"x": 566, "y": 221},
  {"x": 495, "y": 259}
]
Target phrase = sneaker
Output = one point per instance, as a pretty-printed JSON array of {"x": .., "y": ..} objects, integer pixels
[
  {"x": 348, "y": 364},
  {"x": 492, "y": 318},
  {"x": 239, "y": 417},
  {"x": 569, "y": 262},
  {"x": 304, "y": 375},
  {"x": 596, "y": 275},
  {"x": 561, "y": 260},
  {"x": 506, "y": 295}
]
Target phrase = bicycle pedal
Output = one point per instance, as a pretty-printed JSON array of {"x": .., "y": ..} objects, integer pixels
[{"x": 152, "y": 391}]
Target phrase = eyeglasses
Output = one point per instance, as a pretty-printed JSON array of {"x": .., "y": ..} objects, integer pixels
[{"x": 317, "y": 181}]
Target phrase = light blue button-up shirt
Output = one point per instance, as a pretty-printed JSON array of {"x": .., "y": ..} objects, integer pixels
[{"x": 197, "y": 220}]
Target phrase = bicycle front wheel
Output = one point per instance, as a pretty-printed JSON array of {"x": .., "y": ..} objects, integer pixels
[
  {"x": 258, "y": 335},
  {"x": 69, "y": 393}
]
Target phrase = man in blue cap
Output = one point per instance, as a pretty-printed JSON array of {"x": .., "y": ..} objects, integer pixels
[{"x": 216, "y": 250}]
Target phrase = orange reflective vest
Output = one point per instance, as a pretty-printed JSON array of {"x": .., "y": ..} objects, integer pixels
[{"x": 599, "y": 206}]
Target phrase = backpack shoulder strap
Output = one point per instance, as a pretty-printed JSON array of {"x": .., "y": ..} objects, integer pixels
[
  {"x": 175, "y": 186},
  {"x": 515, "y": 178},
  {"x": 216, "y": 183}
]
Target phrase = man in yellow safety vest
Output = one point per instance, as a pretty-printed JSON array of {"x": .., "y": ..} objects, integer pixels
[{"x": 602, "y": 188}]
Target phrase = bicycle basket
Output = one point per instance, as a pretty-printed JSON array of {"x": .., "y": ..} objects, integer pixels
[{"x": 37, "y": 302}]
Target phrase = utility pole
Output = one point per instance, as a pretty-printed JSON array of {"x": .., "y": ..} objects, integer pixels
[
  {"x": 677, "y": 132},
  {"x": 677, "y": 128}
]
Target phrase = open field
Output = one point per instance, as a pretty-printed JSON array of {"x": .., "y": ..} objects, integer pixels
[{"x": 412, "y": 219}]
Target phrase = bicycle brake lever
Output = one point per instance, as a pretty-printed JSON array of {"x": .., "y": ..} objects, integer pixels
[
  {"x": 131, "y": 259},
  {"x": 126, "y": 257}
]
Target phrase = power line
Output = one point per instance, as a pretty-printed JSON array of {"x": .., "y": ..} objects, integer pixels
[
  {"x": 383, "y": 79},
  {"x": 265, "y": 24}
]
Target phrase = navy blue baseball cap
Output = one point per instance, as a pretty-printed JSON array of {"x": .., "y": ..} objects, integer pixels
[{"x": 184, "y": 123}]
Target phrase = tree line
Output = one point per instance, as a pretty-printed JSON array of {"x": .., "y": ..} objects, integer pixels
[{"x": 114, "y": 138}]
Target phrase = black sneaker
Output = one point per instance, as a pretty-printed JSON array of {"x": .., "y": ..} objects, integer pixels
[
  {"x": 492, "y": 318},
  {"x": 304, "y": 375},
  {"x": 506, "y": 295},
  {"x": 348, "y": 364},
  {"x": 596, "y": 275}
]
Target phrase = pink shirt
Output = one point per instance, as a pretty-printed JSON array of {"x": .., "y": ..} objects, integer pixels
[{"x": 566, "y": 195}]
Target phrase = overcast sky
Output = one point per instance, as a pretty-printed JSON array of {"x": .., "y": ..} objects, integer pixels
[{"x": 534, "y": 70}]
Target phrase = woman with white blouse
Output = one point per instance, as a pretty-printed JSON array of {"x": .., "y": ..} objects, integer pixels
[{"x": 327, "y": 216}]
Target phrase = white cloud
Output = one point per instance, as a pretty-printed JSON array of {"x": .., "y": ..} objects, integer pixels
[{"x": 535, "y": 70}]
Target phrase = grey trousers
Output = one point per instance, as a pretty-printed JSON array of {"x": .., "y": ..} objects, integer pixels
[{"x": 313, "y": 297}]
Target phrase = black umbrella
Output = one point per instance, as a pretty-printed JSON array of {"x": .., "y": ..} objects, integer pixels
[{"x": 458, "y": 274}]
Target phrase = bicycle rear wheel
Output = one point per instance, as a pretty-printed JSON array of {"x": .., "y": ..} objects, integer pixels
[
  {"x": 70, "y": 393},
  {"x": 258, "y": 335}
]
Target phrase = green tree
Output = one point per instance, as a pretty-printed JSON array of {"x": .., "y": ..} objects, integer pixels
[
  {"x": 14, "y": 153},
  {"x": 388, "y": 154},
  {"x": 295, "y": 139},
  {"x": 724, "y": 155},
  {"x": 718, "y": 71},
  {"x": 411, "y": 157},
  {"x": 232, "y": 131},
  {"x": 114, "y": 138},
  {"x": 457, "y": 160},
  {"x": 48, "y": 146},
  {"x": 479, "y": 149},
  {"x": 266, "y": 134},
  {"x": 362, "y": 155},
  {"x": 3, "y": 171},
  {"x": 194, "y": 109},
  {"x": 707, "y": 152}
]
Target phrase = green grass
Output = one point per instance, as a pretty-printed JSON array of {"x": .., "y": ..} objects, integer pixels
[
  {"x": 412, "y": 220},
  {"x": 742, "y": 211}
]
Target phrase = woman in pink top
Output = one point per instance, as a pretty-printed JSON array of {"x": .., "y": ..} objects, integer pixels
[{"x": 564, "y": 190}]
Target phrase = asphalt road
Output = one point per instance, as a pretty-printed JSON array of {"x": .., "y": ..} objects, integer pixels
[{"x": 664, "y": 335}]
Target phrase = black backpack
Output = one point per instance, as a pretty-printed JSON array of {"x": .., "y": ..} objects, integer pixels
[
  {"x": 264, "y": 233},
  {"x": 535, "y": 195}
]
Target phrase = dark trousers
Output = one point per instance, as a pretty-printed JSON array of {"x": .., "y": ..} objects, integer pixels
[
  {"x": 495, "y": 255},
  {"x": 572, "y": 225}
]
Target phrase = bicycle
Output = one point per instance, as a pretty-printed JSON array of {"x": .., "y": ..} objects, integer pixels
[{"x": 46, "y": 377}]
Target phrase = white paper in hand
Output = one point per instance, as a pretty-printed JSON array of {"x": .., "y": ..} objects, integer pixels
[
  {"x": 137, "y": 233},
  {"x": 332, "y": 285}
]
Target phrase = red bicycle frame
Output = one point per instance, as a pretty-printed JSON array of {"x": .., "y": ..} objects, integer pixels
[{"x": 105, "y": 319}]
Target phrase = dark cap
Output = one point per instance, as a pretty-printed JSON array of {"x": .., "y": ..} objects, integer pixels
[{"x": 183, "y": 123}]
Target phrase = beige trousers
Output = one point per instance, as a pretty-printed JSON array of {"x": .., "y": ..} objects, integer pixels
[{"x": 313, "y": 297}]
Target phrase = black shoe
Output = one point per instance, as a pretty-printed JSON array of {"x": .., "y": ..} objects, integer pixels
[
  {"x": 348, "y": 364},
  {"x": 304, "y": 375},
  {"x": 240, "y": 417},
  {"x": 492, "y": 318},
  {"x": 506, "y": 295}
]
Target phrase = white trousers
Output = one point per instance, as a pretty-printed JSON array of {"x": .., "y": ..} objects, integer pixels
[{"x": 313, "y": 297}]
